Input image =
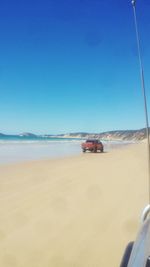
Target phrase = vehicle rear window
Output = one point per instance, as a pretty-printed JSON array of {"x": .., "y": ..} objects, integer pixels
[{"x": 91, "y": 141}]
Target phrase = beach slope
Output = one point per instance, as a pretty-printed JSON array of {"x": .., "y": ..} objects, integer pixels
[{"x": 74, "y": 212}]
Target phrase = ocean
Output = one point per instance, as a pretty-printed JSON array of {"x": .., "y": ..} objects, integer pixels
[{"x": 15, "y": 148}]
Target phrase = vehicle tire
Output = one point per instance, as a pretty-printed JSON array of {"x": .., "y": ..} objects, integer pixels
[
  {"x": 84, "y": 150},
  {"x": 95, "y": 150},
  {"x": 101, "y": 150},
  {"x": 126, "y": 256}
]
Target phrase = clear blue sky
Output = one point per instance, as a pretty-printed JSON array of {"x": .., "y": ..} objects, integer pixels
[{"x": 71, "y": 65}]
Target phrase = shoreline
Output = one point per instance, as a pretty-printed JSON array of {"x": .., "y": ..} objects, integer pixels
[
  {"x": 25, "y": 152},
  {"x": 72, "y": 211}
]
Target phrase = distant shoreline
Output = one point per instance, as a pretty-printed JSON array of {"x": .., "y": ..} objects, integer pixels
[{"x": 128, "y": 135}]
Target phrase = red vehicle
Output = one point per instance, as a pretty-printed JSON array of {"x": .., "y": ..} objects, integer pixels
[{"x": 92, "y": 145}]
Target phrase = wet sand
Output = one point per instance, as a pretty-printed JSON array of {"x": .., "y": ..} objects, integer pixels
[{"x": 74, "y": 212}]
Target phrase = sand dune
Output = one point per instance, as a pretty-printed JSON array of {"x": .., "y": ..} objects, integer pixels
[{"x": 73, "y": 212}]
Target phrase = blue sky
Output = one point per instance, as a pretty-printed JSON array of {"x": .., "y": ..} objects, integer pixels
[{"x": 71, "y": 65}]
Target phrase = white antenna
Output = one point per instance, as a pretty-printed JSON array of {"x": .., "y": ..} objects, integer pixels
[{"x": 143, "y": 88}]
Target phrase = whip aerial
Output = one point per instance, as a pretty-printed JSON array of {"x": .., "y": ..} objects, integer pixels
[{"x": 143, "y": 87}]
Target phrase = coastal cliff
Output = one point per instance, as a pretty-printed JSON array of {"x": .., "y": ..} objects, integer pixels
[{"x": 136, "y": 135}]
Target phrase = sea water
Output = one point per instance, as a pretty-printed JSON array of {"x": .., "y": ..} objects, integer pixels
[{"x": 26, "y": 148}]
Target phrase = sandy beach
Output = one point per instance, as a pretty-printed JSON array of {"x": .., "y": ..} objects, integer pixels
[{"x": 73, "y": 212}]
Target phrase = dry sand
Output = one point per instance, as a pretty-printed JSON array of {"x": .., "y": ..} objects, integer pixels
[{"x": 74, "y": 212}]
